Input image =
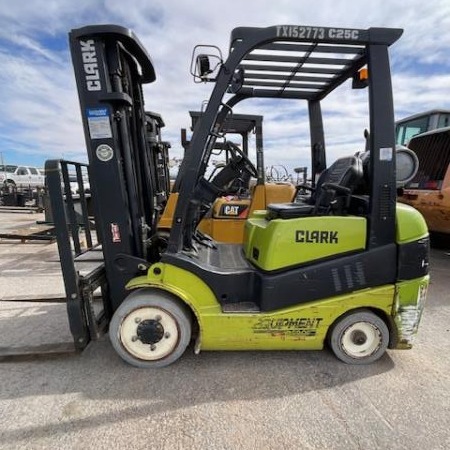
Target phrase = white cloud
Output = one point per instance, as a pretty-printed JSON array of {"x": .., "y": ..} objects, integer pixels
[{"x": 40, "y": 107}]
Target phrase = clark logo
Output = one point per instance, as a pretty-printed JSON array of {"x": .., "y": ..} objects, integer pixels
[
  {"x": 90, "y": 65},
  {"x": 316, "y": 237}
]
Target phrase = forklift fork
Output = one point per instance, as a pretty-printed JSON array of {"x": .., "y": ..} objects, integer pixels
[{"x": 82, "y": 263}]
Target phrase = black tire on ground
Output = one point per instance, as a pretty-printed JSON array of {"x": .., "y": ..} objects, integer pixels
[
  {"x": 150, "y": 329},
  {"x": 360, "y": 337}
]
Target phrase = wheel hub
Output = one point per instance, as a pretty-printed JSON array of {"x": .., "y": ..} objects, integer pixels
[
  {"x": 361, "y": 339},
  {"x": 150, "y": 331},
  {"x": 358, "y": 337}
]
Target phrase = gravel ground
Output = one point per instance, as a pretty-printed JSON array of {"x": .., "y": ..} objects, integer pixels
[{"x": 226, "y": 400}]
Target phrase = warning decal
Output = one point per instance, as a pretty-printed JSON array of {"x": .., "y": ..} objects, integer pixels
[{"x": 99, "y": 124}]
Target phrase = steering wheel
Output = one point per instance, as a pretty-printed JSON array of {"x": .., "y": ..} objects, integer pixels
[
  {"x": 241, "y": 159},
  {"x": 207, "y": 191}
]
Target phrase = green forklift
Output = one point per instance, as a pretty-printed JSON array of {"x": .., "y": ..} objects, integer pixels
[{"x": 345, "y": 267}]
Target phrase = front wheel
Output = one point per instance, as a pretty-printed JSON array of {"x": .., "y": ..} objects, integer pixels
[
  {"x": 359, "y": 338},
  {"x": 150, "y": 329}
]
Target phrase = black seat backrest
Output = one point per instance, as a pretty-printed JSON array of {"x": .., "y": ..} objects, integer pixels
[
  {"x": 328, "y": 197},
  {"x": 346, "y": 172}
]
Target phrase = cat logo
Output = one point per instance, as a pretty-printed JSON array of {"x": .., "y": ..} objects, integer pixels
[
  {"x": 231, "y": 210},
  {"x": 239, "y": 211}
]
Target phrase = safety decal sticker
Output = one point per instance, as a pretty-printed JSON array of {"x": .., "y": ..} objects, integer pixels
[
  {"x": 115, "y": 233},
  {"x": 99, "y": 124},
  {"x": 386, "y": 154}
]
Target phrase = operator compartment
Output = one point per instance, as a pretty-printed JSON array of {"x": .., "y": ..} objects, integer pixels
[{"x": 273, "y": 244}]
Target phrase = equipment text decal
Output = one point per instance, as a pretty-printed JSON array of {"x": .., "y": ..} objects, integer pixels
[{"x": 288, "y": 327}]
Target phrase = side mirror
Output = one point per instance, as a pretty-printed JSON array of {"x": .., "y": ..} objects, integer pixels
[{"x": 203, "y": 66}]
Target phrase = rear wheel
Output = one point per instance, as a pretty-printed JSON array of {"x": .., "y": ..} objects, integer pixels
[
  {"x": 359, "y": 338},
  {"x": 150, "y": 329}
]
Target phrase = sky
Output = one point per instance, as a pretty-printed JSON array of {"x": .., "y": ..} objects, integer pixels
[{"x": 39, "y": 110}]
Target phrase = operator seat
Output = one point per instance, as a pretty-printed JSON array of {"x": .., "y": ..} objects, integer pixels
[{"x": 332, "y": 194}]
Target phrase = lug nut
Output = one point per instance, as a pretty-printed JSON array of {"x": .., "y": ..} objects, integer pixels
[
  {"x": 158, "y": 318},
  {"x": 137, "y": 320},
  {"x": 134, "y": 338},
  {"x": 167, "y": 335},
  {"x": 152, "y": 347}
]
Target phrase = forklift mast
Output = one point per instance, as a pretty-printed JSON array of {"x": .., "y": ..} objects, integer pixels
[{"x": 111, "y": 66}]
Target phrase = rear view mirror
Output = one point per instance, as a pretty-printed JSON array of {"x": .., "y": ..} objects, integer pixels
[{"x": 204, "y": 66}]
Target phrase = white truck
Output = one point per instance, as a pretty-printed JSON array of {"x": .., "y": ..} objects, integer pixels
[{"x": 21, "y": 177}]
